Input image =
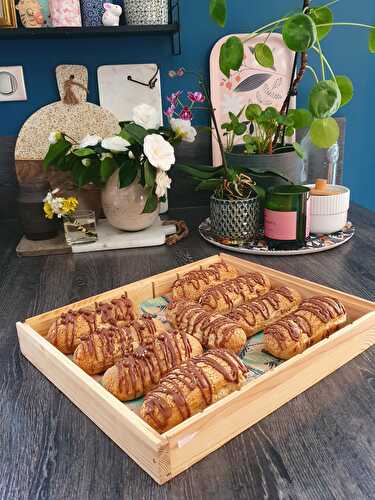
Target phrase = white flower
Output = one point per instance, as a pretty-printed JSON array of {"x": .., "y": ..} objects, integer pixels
[
  {"x": 86, "y": 162},
  {"x": 103, "y": 156},
  {"x": 183, "y": 129},
  {"x": 158, "y": 151},
  {"x": 54, "y": 136},
  {"x": 116, "y": 144},
  {"x": 131, "y": 155},
  {"x": 89, "y": 140},
  {"x": 146, "y": 116},
  {"x": 163, "y": 182}
]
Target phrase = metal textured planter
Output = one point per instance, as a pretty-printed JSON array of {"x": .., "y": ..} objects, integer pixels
[
  {"x": 287, "y": 164},
  {"x": 236, "y": 220}
]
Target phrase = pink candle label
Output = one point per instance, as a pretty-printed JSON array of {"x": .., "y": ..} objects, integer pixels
[{"x": 280, "y": 225}]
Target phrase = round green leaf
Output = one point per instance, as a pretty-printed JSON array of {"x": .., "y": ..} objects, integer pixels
[
  {"x": 84, "y": 152},
  {"x": 324, "y": 99},
  {"x": 371, "y": 41},
  {"x": 346, "y": 89},
  {"x": 301, "y": 117},
  {"x": 324, "y": 132},
  {"x": 231, "y": 55},
  {"x": 239, "y": 129},
  {"x": 289, "y": 131},
  {"x": 218, "y": 11},
  {"x": 263, "y": 55},
  {"x": 253, "y": 111},
  {"x": 322, "y": 15},
  {"x": 299, "y": 33}
]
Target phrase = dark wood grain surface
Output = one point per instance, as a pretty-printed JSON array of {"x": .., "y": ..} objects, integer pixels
[{"x": 321, "y": 445}]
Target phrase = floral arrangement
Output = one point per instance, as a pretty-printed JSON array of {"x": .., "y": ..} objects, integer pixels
[{"x": 143, "y": 150}]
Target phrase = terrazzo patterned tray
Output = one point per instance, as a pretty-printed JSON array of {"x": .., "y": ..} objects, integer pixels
[{"x": 316, "y": 242}]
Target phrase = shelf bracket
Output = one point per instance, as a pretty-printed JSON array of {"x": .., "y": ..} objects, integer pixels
[{"x": 174, "y": 12}]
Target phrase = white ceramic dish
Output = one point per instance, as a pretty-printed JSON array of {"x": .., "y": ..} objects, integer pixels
[{"x": 329, "y": 213}]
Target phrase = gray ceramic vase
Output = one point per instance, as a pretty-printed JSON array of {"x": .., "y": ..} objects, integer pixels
[
  {"x": 123, "y": 207},
  {"x": 287, "y": 164},
  {"x": 235, "y": 219}
]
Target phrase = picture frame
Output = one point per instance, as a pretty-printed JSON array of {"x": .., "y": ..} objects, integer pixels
[{"x": 8, "y": 17}]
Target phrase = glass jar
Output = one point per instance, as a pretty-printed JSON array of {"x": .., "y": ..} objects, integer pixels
[
  {"x": 80, "y": 227},
  {"x": 287, "y": 217},
  {"x": 34, "y": 223},
  {"x": 321, "y": 163}
]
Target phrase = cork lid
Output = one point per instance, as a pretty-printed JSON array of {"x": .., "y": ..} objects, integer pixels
[{"x": 322, "y": 188}]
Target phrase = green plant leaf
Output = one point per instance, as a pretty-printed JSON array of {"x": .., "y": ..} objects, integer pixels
[
  {"x": 150, "y": 175},
  {"x": 346, "y": 89},
  {"x": 261, "y": 192},
  {"x": 55, "y": 152},
  {"x": 299, "y": 150},
  {"x": 240, "y": 129},
  {"x": 322, "y": 15},
  {"x": 289, "y": 131},
  {"x": 299, "y": 33},
  {"x": 197, "y": 169},
  {"x": 324, "y": 99},
  {"x": 209, "y": 185},
  {"x": 253, "y": 111},
  {"x": 151, "y": 203},
  {"x": 107, "y": 167},
  {"x": 231, "y": 55},
  {"x": 371, "y": 41},
  {"x": 301, "y": 117},
  {"x": 218, "y": 11},
  {"x": 324, "y": 132},
  {"x": 133, "y": 132},
  {"x": 84, "y": 152},
  {"x": 263, "y": 55},
  {"x": 127, "y": 173}
]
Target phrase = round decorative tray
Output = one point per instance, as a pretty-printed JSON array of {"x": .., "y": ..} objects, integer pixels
[{"x": 316, "y": 242}]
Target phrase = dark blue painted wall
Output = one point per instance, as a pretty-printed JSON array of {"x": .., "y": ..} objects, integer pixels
[{"x": 346, "y": 49}]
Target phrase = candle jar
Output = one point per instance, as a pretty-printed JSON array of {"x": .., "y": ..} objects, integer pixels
[
  {"x": 287, "y": 217},
  {"x": 80, "y": 227}
]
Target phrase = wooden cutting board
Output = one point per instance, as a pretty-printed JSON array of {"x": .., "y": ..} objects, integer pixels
[
  {"x": 76, "y": 120},
  {"x": 119, "y": 94}
]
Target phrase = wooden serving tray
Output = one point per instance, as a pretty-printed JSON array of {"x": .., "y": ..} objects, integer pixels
[{"x": 163, "y": 456}]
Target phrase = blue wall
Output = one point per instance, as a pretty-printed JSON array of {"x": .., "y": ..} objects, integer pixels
[{"x": 346, "y": 49}]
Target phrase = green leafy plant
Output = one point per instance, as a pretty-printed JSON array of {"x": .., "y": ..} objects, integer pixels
[
  {"x": 258, "y": 127},
  {"x": 302, "y": 32}
]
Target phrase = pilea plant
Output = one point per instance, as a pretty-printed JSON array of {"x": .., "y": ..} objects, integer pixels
[{"x": 302, "y": 31}]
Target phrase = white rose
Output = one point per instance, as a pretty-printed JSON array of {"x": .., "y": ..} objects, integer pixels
[
  {"x": 146, "y": 116},
  {"x": 89, "y": 140},
  {"x": 183, "y": 129},
  {"x": 158, "y": 151},
  {"x": 163, "y": 182},
  {"x": 116, "y": 144},
  {"x": 131, "y": 155},
  {"x": 54, "y": 136}
]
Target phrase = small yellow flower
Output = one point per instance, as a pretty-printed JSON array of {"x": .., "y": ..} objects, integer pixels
[
  {"x": 48, "y": 211},
  {"x": 69, "y": 205}
]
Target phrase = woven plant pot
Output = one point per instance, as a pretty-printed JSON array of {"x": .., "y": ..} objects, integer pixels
[
  {"x": 236, "y": 220},
  {"x": 146, "y": 11}
]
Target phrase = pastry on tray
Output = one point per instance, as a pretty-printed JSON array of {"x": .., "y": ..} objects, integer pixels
[
  {"x": 141, "y": 371},
  {"x": 70, "y": 326},
  {"x": 192, "y": 387},
  {"x": 100, "y": 350},
  {"x": 224, "y": 297},
  {"x": 254, "y": 316},
  {"x": 192, "y": 284},
  {"x": 315, "y": 319},
  {"x": 211, "y": 330}
]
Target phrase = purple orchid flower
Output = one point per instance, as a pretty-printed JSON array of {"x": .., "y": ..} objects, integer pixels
[
  {"x": 196, "y": 96},
  {"x": 169, "y": 112},
  {"x": 173, "y": 98},
  {"x": 186, "y": 113}
]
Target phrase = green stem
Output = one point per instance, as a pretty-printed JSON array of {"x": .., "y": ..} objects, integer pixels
[
  {"x": 321, "y": 60},
  {"x": 326, "y": 5},
  {"x": 358, "y": 25},
  {"x": 314, "y": 73},
  {"x": 266, "y": 26},
  {"x": 326, "y": 63}
]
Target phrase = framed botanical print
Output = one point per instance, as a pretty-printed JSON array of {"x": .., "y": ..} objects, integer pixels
[{"x": 8, "y": 14}]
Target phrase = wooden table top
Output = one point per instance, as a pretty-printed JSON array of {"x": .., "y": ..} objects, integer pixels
[{"x": 319, "y": 445}]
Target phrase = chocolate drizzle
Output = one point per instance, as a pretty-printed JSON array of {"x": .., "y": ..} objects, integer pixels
[
  {"x": 250, "y": 311},
  {"x": 140, "y": 371},
  {"x": 234, "y": 292},
  {"x": 175, "y": 388},
  {"x": 298, "y": 323},
  {"x": 115, "y": 311}
]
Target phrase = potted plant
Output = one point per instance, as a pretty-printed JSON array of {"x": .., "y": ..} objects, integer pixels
[
  {"x": 256, "y": 129},
  {"x": 131, "y": 168},
  {"x": 302, "y": 31}
]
